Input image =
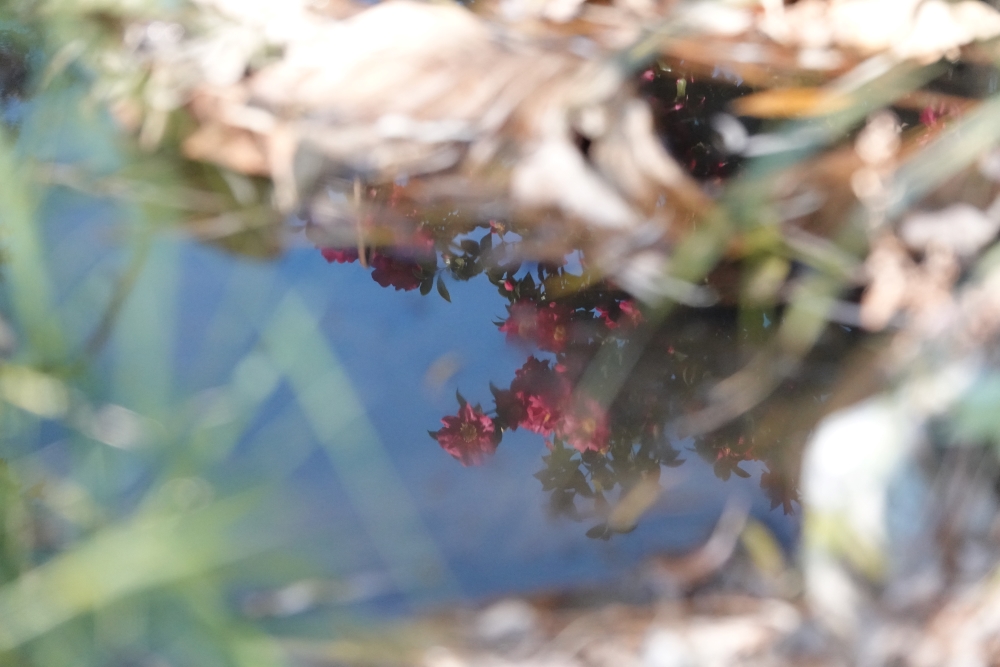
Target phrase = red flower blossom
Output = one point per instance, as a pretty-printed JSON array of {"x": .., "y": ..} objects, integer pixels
[
  {"x": 548, "y": 326},
  {"x": 399, "y": 273},
  {"x": 541, "y": 416},
  {"x": 469, "y": 436},
  {"x": 586, "y": 426},
  {"x": 541, "y": 393},
  {"x": 340, "y": 255}
]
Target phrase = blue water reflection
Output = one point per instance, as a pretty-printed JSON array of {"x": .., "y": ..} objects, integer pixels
[
  {"x": 490, "y": 523},
  {"x": 489, "y": 526}
]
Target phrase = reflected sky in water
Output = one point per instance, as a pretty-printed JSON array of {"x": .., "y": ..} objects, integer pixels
[{"x": 491, "y": 523}]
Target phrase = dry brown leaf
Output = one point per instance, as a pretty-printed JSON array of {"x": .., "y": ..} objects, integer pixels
[
  {"x": 889, "y": 268},
  {"x": 791, "y": 103},
  {"x": 407, "y": 89},
  {"x": 921, "y": 29},
  {"x": 232, "y": 148}
]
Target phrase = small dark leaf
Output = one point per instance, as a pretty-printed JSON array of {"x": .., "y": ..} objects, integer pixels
[
  {"x": 486, "y": 243},
  {"x": 599, "y": 532},
  {"x": 561, "y": 502},
  {"x": 442, "y": 290},
  {"x": 425, "y": 286},
  {"x": 580, "y": 484},
  {"x": 740, "y": 472},
  {"x": 461, "y": 399}
]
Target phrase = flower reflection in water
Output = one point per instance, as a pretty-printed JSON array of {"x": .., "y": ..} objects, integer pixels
[
  {"x": 401, "y": 274},
  {"x": 470, "y": 436},
  {"x": 597, "y": 450},
  {"x": 585, "y": 427},
  {"x": 547, "y": 326},
  {"x": 340, "y": 256}
]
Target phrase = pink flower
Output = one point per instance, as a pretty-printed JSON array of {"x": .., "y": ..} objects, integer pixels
[
  {"x": 470, "y": 436},
  {"x": 399, "y": 273},
  {"x": 548, "y": 326},
  {"x": 340, "y": 255},
  {"x": 585, "y": 427},
  {"x": 541, "y": 393},
  {"x": 540, "y": 415}
]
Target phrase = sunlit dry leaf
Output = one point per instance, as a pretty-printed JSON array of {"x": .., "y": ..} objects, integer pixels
[
  {"x": 790, "y": 103},
  {"x": 425, "y": 91},
  {"x": 233, "y": 148},
  {"x": 888, "y": 267},
  {"x": 961, "y": 228},
  {"x": 921, "y": 29}
]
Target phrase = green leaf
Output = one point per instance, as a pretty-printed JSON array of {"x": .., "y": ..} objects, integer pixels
[
  {"x": 442, "y": 290},
  {"x": 144, "y": 553}
]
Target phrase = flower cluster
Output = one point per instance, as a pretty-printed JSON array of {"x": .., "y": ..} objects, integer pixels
[
  {"x": 540, "y": 399},
  {"x": 340, "y": 255},
  {"x": 568, "y": 319},
  {"x": 548, "y": 325},
  {"x": 401, "y": 273}
]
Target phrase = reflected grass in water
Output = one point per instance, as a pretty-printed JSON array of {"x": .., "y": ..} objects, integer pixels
[{"x": 161, "y": 546}]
